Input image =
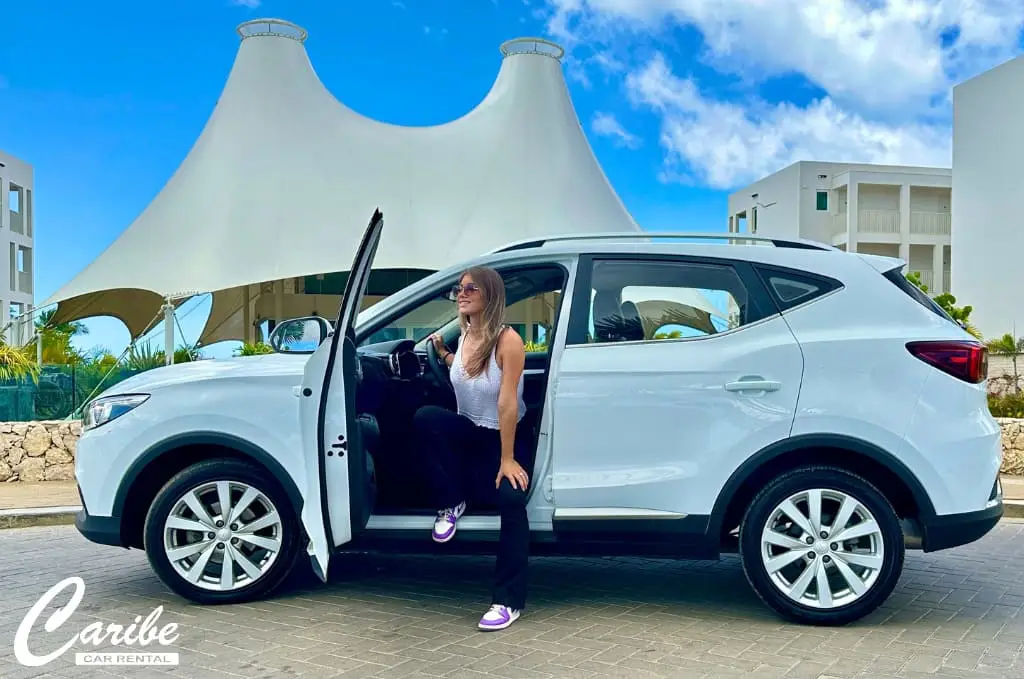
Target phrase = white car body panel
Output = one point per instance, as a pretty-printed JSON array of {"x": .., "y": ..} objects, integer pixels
[
  {"x": 251, "y": 398},
  {"x": 665, "y": 405}
]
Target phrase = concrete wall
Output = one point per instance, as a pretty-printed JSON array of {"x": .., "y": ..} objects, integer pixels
[{"x": 988, "y": 182}]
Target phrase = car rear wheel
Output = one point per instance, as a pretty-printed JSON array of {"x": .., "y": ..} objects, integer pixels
[
  {"x": 222, "y": 531},
  {"x": 821, "y": 545}
]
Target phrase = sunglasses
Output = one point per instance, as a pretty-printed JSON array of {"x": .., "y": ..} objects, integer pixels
[{"x": 468, "y": 288}]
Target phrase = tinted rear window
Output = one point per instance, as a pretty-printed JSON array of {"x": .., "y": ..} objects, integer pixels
[
  {"x": 897, "y": 278},
  {"x": 790, "y": 288}
]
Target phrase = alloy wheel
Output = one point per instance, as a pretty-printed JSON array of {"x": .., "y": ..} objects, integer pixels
[
  {"x": 822, "y": 548},
  {"x": 223, "y": 535}
]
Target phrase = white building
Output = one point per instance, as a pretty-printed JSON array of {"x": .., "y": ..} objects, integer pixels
[
  {"x": 988, "y": 173},
  {"x": 16, "y": 224},
  {"x": 876, "y": 209}
]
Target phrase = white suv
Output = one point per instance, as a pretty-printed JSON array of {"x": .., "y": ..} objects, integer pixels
[{"x": 802, "y": 406}]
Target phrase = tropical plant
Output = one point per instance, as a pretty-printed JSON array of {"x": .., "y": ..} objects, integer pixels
[
  {"x": 16, "y": 364},
  {"x": 1008, "y": 346},
  {"x": 960, "y": 314},
  {"x": 255, "y": 349},
  {"x": 56, "y": 339},
  {"x": 44, "y": 323},
  {"x": 187, "y": 353},
  {"x": 144, "y": 357}
]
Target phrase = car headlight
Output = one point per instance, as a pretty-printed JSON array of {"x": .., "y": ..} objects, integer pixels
[{"x": 103, "y": 410}]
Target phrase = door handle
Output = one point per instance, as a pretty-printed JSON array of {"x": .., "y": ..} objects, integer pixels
[{"x": 753, "y": 384}]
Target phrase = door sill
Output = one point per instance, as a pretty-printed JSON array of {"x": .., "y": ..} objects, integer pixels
[{"x": 385, "y": 522}]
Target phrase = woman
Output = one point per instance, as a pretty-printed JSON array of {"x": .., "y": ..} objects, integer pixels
[{"x": 472, "y": 454}]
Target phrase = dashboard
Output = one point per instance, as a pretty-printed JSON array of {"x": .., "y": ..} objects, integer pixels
[{"x": 397, "y": 358}]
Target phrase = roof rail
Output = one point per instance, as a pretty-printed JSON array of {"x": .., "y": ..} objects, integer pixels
[{"x": 797, "y": 243}]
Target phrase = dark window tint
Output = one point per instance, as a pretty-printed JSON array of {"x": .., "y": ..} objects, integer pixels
[
  {"x": 822, "y": 200},
  {"x": 790, "y": 288},
  {"x": 897, "y": 278}
]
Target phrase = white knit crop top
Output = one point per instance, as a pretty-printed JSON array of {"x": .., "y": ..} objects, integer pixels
[{"x": 477, "y": 397}]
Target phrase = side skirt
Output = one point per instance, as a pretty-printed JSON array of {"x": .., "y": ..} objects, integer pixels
[{"x": 684, "y": 537}]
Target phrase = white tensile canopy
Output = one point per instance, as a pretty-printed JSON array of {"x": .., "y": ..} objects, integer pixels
[{"x": 283, "y": 179}]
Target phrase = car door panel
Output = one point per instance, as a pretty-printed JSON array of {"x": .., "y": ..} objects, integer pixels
[
  {"x": 653, "y": 428},
  {"x": 335, "y": 500}
]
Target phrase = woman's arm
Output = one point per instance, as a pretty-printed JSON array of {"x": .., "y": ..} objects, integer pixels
[{"x": 512, "y": 357}]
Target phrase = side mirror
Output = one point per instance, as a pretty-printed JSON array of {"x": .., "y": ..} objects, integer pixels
[{"x": 299, "y": 335}]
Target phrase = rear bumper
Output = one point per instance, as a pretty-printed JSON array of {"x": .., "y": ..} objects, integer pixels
[{"x": 953, "y": 530}]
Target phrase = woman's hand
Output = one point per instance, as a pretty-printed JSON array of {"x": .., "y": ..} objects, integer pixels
[
  {"x": 514, "y": 472},
  {"x": 439, "y": 346}
]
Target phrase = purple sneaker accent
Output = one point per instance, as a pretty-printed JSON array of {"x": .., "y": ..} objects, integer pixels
[
  {"x": 444, "y": 524},
  {"x": 498, "y": 617}
]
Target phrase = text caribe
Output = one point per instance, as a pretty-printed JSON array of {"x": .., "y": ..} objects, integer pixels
[{"x": 93, "y": 633}]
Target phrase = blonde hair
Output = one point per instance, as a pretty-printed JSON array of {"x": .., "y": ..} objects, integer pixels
[{"x": 492, "y": 288}]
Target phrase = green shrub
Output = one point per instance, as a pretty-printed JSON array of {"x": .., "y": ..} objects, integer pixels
[{"x": 1007, "y": 405}]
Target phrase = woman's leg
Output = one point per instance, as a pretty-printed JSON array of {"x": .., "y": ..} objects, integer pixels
[
  {"x": 508, "y": 595},
  {"x": 442, "y": 436}
]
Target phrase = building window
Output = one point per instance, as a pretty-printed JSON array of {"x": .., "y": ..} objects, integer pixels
[{"x": 822, "y": 200}]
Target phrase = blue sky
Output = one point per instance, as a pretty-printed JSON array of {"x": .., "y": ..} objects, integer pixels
[{"x": 682, "y": 100}]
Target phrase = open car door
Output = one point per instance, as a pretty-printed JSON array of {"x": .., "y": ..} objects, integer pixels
[{"x": 336, "y": 505}]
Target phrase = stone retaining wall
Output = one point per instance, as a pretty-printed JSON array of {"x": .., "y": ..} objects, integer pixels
[
  {"x": 45, "y": 451},
  {"x": 38, "y": 451}
]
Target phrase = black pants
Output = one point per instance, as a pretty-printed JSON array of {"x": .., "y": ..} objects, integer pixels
[{"x": 462, "y": 460}]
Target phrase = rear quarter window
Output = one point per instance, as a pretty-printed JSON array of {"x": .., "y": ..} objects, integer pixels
[{"x": 790, "y": 288}]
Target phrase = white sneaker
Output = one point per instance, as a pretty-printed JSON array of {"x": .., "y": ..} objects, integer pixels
[
  {"x": 498, "y": 617},
  {"x": 444, "y": 524}
]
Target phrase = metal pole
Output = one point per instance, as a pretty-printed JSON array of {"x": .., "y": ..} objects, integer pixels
[{"x": 168, "y": 332}]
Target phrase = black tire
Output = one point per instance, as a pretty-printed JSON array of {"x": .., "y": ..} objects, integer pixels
[
  {"x": 223, "y": 469},
  {"x": 821, "y": 477}
]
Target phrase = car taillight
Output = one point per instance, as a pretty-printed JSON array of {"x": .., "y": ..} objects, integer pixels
[{"x": 967, "y": 361}]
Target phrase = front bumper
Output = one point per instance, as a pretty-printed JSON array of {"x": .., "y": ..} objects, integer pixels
[
  {"x": 953, "y": 530},
  {"x": 103, "y": 530}
]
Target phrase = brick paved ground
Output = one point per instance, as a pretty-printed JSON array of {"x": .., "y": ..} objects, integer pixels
[{"x": 954, "y": 614}]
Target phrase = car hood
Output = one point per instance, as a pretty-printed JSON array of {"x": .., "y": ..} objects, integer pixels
[{"x": 244, "y": 367}]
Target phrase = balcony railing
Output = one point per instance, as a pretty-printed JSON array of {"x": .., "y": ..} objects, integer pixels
[
  {"x": 931, "y": 223},
  {"x": 888, "y": 222}
]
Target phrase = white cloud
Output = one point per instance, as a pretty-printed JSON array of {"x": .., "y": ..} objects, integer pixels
[
  {"x": 886, "y": 68},
  {"x": 880, "y": 54},
  {"x": 722, "y": 145},
  {"x": 605, "y": 125}
]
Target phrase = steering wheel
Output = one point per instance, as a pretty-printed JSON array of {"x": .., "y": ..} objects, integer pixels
[{"x": 437, "y": 367}]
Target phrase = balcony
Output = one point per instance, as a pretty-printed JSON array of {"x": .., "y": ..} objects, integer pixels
[
  {"x": 888, "y": 222},
  {"x": 931, "y": 223}
]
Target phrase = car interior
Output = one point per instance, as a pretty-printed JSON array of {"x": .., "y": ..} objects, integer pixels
[{"x": 400, "y": 373}]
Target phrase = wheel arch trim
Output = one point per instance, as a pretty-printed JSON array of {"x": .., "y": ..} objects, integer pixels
[
  {"x": 206, "y": 438},
  {"x": 803, "y": 442}
]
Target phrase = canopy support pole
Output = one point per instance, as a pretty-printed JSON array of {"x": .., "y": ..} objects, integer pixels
[{"x": 168, "y": 310}]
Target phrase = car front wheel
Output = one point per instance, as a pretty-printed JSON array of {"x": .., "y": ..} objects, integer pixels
[
  {"x": 821, "y": 545},
  {"x": 222, "y": 531}
]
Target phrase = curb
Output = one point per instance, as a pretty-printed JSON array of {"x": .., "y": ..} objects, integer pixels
[
  {"x": 1013, "y": 509},
  {"x": 37, "y": 516}
]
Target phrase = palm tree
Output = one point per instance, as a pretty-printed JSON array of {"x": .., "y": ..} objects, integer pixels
[
  {"x": 69, "y": 328},
  {"x": 1008, "y": 346}
]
